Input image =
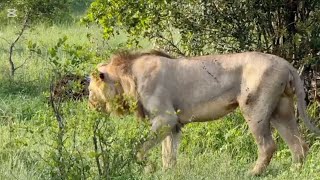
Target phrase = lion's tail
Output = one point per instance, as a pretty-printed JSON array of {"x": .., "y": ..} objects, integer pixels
[{"x": 299, "y": 90}]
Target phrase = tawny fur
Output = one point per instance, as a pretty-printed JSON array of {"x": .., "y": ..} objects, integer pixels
[{"x": 176, "y": 92}]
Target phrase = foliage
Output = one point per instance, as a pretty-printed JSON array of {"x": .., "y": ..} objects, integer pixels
[
  {"x": 26, "y": 13},
  {"x": 70, "y": 58},
  {"x": 285, "y": 28},
  {"x": 34, "y": 10},
  {"x": 79, "y": 6},
  {"x": 94, "y": 145}
]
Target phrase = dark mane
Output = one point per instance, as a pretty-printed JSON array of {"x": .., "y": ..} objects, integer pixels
[
  {"x": 125, "y": 58},
  {"x": 129, "y": 55},
  {"x": 158, "y": 53}
]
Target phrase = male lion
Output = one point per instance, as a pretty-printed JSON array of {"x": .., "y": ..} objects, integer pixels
[{"x": 176, "y": 92}]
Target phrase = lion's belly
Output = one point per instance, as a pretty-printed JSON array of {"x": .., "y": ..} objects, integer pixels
[{"x": 207, "y": 111}]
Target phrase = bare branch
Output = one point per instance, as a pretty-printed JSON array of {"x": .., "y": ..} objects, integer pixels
[
  {"x": 61, "y": 131},
  {"x": 24, "y": 27},
  {"x": 95, "y": 144},
  {"x": 55, "y": 108}
]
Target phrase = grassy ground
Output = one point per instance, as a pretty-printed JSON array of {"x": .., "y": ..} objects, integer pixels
[{"x": 28, "y": 128}]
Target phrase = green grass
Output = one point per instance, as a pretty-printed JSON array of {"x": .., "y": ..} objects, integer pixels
[
  {"x": 28, "y": 128},
  {"x": 220, "y": 165}
]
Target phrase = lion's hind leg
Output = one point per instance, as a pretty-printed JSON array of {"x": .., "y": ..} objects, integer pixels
[
  {"x": 284, "y": 121},
  {"x": 261, "y": 132},
  {"x": 257, "y": 107},
  {"x": 259, "y": 125}
]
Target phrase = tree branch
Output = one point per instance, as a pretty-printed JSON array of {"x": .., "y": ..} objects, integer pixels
[
  {"x": 178, "y": 50},
  {"x": 61, "y": 131},
  {"x": 24, "y": 27},
  {"x": 95, "y": 144}
]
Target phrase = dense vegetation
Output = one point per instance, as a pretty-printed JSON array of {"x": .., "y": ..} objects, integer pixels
[{"x": 55, "y": 138}]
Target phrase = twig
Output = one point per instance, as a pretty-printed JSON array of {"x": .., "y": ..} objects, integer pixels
[
  {"x": 173, "y": 45},
  {"x": 55, "y": 108},
  {"x": 95, "y": 144},
  {"x": 82, "y": 169},
  {"x": 24, "y": 27},
  {"x": 60, "y": 121},
  {"x": 301, "y": 69}
]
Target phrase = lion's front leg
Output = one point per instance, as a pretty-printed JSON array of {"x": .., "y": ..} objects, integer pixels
[
  {"x": 162, "y": 126},
  {"x": 170, "y": 149},
  {"x": 150, "y": 143}
]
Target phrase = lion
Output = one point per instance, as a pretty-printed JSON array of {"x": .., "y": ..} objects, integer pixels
[{"x": 173, "y": 93}]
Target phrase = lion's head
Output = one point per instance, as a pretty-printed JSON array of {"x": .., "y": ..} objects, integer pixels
[
  {"x": 110, "y": 90},
  {"x": 103, "y": 90},
  {"x": 112, "y": 87}
]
